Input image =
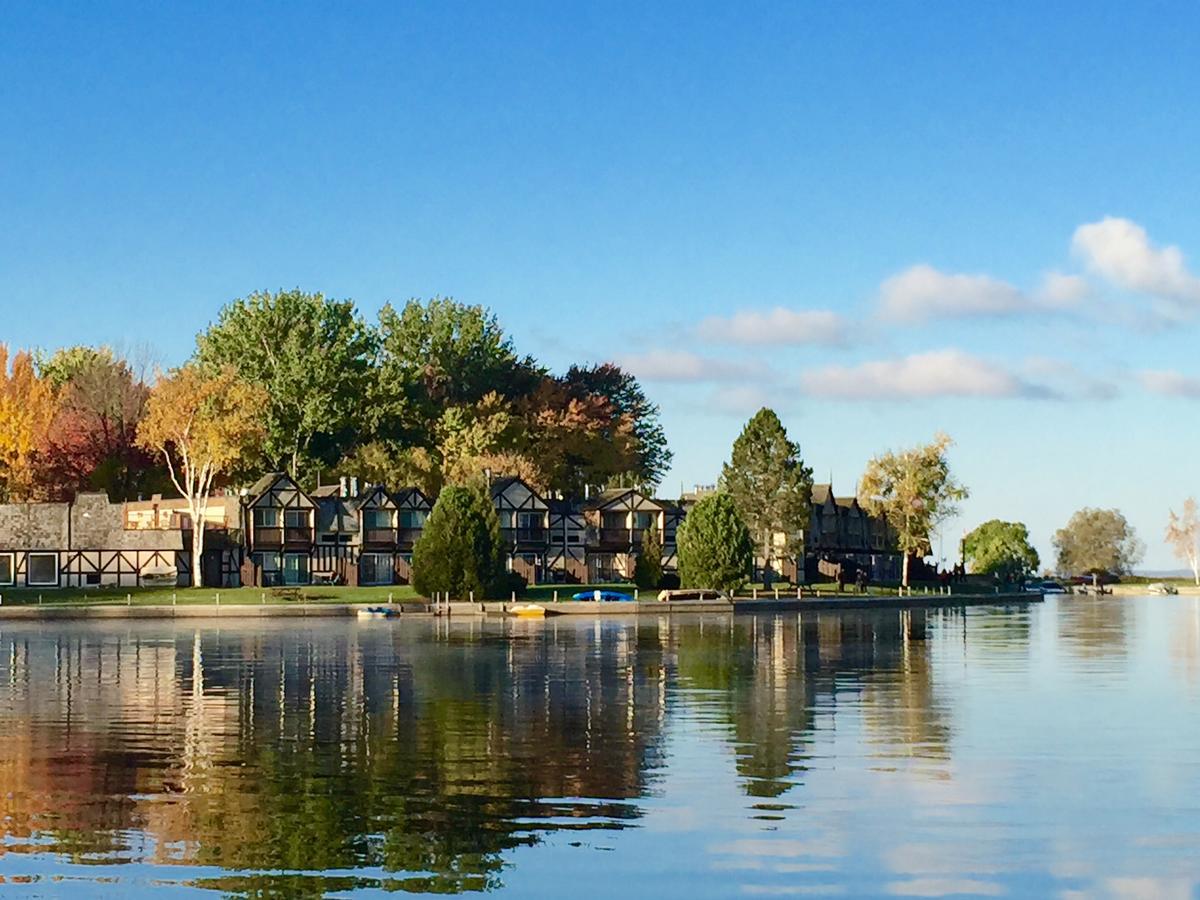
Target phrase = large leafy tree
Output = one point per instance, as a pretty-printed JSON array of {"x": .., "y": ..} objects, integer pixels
[
  {"x": 714, "y": 546},
  {"x": 577, "y": 438},
  {"x": 204, "y": 425},
  {"x": 914, "y": 491},
  {"x": 460, "y": 551},
  {"x": 770, "y": 485},
  {"x": 1001, "y": 548},
  {"x": 92, "y": 440},
  {"x": 313, "y": 355},
  {"x": 1183, "y": 535},
  {"x": 442, "y": 353},
  {"x": 651, "y": 455},
  {"x": 1097, "y": 540},
  {"x": 27, "y": 408}
]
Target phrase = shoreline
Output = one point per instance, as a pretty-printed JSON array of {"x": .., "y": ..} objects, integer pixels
[{"x": 739, "y": 606}]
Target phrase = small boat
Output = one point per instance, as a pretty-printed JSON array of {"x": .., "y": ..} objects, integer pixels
[
  {"x": 1160, "y": 587},
  {"x": 677, "y": 596},
  {"x": 379, "y": 612},
  {"x": 528, "y": 611},
  {"x": 601, "y": 596}
]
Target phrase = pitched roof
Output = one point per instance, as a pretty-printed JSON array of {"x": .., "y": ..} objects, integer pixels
[{"x": 821, "y": 493}]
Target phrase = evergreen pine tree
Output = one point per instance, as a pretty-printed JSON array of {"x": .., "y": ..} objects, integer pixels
[
  {"x": 460, "y": 550},
  {"x": 714, "y": 546},
  {"x": 647, "y": 571},
  {"x": 770, "y": 486}
]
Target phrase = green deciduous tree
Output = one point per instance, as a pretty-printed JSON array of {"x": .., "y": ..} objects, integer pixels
[
  {"x": 714, "y": 546},
  {"x": 313, "y": 355},
  {"x": 648, "y": 570},
  {"x": 914, "y": 491},
  {"x": 770, "y": 485},
  {"x": 1097, "y": 539},
  {"x": 439, "y": 354},
  {"x": 460, "y": 550},
  {"x": 1183, "y": 533},
  {"x": 1001, "y": 548}
]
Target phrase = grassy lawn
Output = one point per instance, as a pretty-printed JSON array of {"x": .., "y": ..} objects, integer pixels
[{"x": 182, "y": 596}]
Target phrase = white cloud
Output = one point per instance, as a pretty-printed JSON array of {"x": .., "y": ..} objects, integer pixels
[
  {"x": 923, "y": 292},
  {"x": 941, "y": 373},
  {"x": 1061, "y": 291},
  {"x": 1121, "y": 251},
  {"x": 684, "y": 366},
  {"x": 1171, "y": 384},
  {"x": 778, "y": 326}
]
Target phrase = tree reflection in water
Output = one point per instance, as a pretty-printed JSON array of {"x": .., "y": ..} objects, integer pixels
[{"x": 411, "y": 756}]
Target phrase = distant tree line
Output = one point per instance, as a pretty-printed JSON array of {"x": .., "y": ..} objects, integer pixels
[{"x": 432, "y": 394}]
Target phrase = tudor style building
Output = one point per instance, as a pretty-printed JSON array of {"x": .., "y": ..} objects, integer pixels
[
  {"x": 90, "y": 542},
  {"x": 524, "y": 527},
  {"x": 840, "y": 530}
]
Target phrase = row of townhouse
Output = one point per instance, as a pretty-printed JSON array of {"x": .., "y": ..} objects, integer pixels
[
  {"x": 275, "y": 533},
  {"x": 337, "y": 533}
]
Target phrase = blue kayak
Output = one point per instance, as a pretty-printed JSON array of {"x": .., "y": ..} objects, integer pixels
[{"x": 603, "y": 596}]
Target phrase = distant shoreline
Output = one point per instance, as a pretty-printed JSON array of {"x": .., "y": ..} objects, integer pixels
[{"x": 739, "y": 606}]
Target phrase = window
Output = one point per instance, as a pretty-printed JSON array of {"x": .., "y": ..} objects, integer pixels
[
  {"x": 529, "y": 520},
  {"x": 412, "y": 518},
  {"x": 377, "y": 519},
  {"x": 91, "y": 578},
  {"x": 295, "y": 568},
  {"x": 645, "y": 520},
  {"x": 574, "y": 538},
  {"x": 7, "y": 568},
  {"x": 506, "y": 518},
  {"x": 41, "y": 569},
  {"x": 295, "y": 518},
  {"x": 613, "y": 521},
  {"x": 266, "y": 517}
]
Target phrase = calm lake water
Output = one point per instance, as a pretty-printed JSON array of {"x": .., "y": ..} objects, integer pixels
[{"x": 1049, "y": 750}]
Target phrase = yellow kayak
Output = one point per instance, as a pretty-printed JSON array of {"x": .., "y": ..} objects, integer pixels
[{"x": 528, "y": 611}]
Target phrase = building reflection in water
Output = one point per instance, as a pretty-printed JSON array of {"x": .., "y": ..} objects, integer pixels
[{"x": 415, "y": 753}]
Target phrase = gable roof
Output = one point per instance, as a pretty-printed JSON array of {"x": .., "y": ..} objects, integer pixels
[{"x": 613, "y": 496}]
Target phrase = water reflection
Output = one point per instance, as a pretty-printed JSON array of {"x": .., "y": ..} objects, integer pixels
[{"x": 869, "y": 753}]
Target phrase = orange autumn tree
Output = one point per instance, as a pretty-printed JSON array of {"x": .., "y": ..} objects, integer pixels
[
  {"x": 203, "y": 425},
  {"x": 27, "y": 405}
]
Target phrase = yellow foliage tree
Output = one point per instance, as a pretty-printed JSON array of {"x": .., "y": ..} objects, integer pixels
[
  {"x": 203, "y": 425},
  {"x": 27, "y": 405}
]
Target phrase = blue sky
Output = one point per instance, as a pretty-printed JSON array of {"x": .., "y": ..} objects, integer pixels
[{"x": 882, "y": 219}]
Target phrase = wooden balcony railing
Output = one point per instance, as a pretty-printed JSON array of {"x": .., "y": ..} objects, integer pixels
[
  {"x": 524, "y": 535},
  {"x": 408, "y": 535},
  {"x": 379, "y": 535}
]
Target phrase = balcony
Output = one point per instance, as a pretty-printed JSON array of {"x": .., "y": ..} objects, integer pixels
[
  {"x": 408, "y": 536},
  {"x": 378, "y": 536},
  {"x": 526, "y": 536}
]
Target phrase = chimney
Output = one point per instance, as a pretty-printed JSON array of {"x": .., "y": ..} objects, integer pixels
[
  {"x": 342, "y": 486},
  {"x": 354, "y": 486}
]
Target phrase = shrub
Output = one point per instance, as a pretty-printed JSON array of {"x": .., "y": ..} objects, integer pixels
[
  {"x": 460, "y": 551},
  {"x": 647, "y": 569},
  {"x": 714, "y": 546}
]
